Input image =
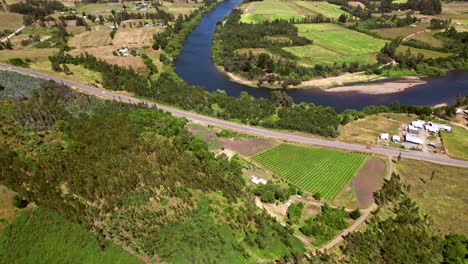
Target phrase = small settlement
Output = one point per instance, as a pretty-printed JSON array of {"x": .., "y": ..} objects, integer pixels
[{"x": 420, "y": 135}]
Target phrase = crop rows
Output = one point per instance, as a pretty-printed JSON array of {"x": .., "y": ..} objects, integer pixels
[{"x": 315, "y": 170}]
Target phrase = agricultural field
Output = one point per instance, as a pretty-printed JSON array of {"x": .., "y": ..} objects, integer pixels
[
  {"x": 180, "y": 7},
  {"x": 359, "y": 193},
  {"x": 99, "y": 8},
  {"x": 440, "y": 191},
  {"x": 312, "y": 169},
  {"x": 456, "y": 142},
  {"x": 98, "y": 37},
  {"x": 257, "y": 12},
  {"x": 427, "y": 53},
  {"x": 333, "y": 43},
  {"x": 42, "y": 236},
  {"x": 10, "y": 21}
]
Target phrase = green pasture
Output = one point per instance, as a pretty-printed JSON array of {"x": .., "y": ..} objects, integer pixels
[
  {"x": 427, "y": 53},
  {"x": 324, "y": 8},
  {"x": 315, "y": 170},
  {"x": 313, "y": 54},
  {"x": 339, "y": 39},
  {"x": 257, "y": 12}
]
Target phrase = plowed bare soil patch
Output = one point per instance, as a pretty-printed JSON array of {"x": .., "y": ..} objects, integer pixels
[
  {"x": 368, "y": 180},
  {"x": 247, "y": 147}
]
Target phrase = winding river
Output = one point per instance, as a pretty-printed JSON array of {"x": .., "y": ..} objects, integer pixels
[{"x": 195, "y": 66}]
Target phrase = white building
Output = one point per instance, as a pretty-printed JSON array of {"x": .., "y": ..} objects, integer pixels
[
  {"x": 413, "y": 129},
  {"x": 458, "y": 111},
  {"x": 432, "y": 129},
  {"x": 384, "y": 136},
  {"x": 418, "y": 123},
  {"x": 441, "y": 127},
  {"x": 256, "y": 180},
  {"x": 414, "y": 139},
  {"x": 396, "y": 138}
]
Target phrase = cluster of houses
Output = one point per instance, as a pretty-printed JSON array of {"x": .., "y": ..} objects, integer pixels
[{"x": 412, "y": 132}]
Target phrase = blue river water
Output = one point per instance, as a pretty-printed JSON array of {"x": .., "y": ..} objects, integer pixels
[{"x": 196, "y": 67}]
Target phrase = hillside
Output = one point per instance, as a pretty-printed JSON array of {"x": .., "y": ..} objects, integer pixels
[{"x": 152, "y": 187}]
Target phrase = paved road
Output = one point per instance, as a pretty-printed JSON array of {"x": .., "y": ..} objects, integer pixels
[{"x": 244, "y": 128}]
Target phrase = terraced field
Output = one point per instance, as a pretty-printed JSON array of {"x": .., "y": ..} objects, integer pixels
[
  {"x": 333, "y": 43},
  {"x": 315, "y": 170}
]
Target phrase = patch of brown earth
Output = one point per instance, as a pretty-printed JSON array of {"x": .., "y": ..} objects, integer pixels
[
  {"x": 368, "y": 180},
  {"x": 247, "y": 147}
]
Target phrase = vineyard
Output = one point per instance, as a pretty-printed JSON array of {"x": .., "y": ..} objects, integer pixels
[{"x": 315, "y": 170}]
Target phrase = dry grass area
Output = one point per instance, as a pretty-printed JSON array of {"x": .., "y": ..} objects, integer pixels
[
  {"x": 32, "y": 54},
  {"x": 135, "y": 36},
  {"x": 367, "y": 130},
  {"x": 105, "y": 53},
  {"x": 95, "y": 38},
  {"x": 11, "y": 21},
  {"x": 442, "y": 196},
  {"x": 399, "y": 32},
  {"x": 428, "y": 37}
]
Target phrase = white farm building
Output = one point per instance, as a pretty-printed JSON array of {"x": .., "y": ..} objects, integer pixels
[{"x": 414, "y": 139}]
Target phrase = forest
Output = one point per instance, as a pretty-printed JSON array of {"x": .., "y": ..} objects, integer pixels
[{"x": 149, "y": 176}]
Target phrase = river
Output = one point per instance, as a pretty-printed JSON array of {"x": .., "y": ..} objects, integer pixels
[{"x": 195, "y": 67}]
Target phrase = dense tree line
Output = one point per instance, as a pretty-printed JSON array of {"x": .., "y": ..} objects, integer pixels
[
  {"x": 36, "y": 8},
  {"x": 106, "y": 165}
]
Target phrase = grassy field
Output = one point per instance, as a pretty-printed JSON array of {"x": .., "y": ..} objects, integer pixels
[
  {"x": 368, "y": 129},
  {"x": 443, "y": 197},
  {"x": 333, "y": 43},
  {"x": 278, "y": 9},
  {"x": 11, "y": 21},
  {"x": 91, "y": 39},
  {"x": 324, "y": 8},
  {"x": 42, "y": 236},
  {"x": 427, "y": 53},
  {"x": 99, "y": 8},
  {"x": 315, "y": 170},
  {"x": 456, "y": 142}
]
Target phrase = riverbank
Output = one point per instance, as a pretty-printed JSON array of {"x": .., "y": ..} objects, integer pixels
[
  {"x": 336, "y": 83},
  {"x": 393, "y": 86}
]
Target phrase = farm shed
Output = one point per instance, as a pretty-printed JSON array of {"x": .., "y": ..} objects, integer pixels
[
  {"x": 413, "y": 129},
  {"x": 432, "y": 129},
  {"x": 418, "y": 124},
  {"x": 384, "y": 136},
  {"x": 441, "y": 127},
  {"x": 414, "y": 139}
]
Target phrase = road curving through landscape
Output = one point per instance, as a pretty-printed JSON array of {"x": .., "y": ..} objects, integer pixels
[{"x": 241, "y": 127}]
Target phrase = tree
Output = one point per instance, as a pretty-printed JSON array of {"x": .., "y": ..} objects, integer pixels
[
  {"x": 19, "y": 202},
  {"x": 343, "y": 18},
  {"x": 355, "y": 214},
  {"x": 294, "y": 212}
]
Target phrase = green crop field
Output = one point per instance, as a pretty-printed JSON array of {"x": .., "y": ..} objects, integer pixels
[
  {"x": 339, "y": 39},
  {"x": 333, "y": 43},
  {"x": 315, "y": 170},
  {"x": 257, "y": 12},
  {"x": 324, "y": 8}
]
